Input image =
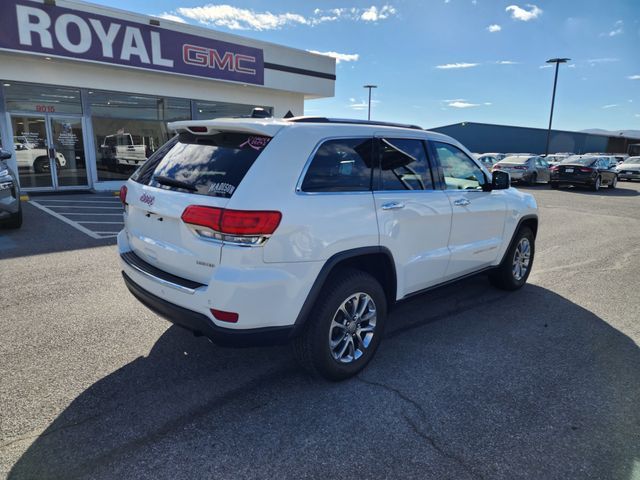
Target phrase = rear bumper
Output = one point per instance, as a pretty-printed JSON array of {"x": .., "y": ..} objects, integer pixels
[
  {"x": 572, "y": 181},
  {"x": 629, "y": 176},
  {"x": 201, "y": 325}
]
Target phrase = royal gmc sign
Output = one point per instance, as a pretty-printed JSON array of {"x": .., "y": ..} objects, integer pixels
[{"x": 53, "y": 30}]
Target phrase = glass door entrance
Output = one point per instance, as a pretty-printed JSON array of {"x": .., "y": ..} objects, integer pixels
[{"x": 49, "y": 151}]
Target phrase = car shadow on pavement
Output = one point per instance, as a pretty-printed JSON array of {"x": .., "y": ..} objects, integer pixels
[
  {"x": 619, "y": 191},
  {"x": 470, "y": 382}
]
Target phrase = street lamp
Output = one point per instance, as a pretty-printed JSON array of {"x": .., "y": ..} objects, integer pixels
[
  {"x": 557, "y": 61},
  {"x": 369, "y": 104}
]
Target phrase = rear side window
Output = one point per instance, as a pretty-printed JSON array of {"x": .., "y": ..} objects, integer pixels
[
  {"x": 212, "y": 165},
  {"x": 341, "y": 165},
  {"x": 404, "y": 165}
]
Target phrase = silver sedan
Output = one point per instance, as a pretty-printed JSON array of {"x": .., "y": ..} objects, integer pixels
[{"x": 529, "y": 169}]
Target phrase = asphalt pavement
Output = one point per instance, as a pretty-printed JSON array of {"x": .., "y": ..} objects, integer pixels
[{"x": 469, "y": 383}]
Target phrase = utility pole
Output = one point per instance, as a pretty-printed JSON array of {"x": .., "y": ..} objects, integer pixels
[
  {"x": 557, "y": 61},
  {"x": 370, "y": 87}
]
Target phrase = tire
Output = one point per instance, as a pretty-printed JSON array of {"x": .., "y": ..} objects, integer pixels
[
  {"x": 41, "y": 165},
  {"x": 614, "y": 182},
  {"x": 554, "y": 185},
  {"x": 14, "y": 221},
  {"x": 596, "y": 185},
  {"x": 313, "y": 348},
  {"x": 506, "y": 276}
]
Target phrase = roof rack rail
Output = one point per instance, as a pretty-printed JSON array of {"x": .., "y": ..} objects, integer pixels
[{"x": 350, "y": 121}]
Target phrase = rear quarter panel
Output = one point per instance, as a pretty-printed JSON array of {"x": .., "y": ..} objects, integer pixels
[{"x": 314, "y": 226}]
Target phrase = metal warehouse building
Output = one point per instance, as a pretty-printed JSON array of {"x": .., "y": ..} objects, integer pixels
[
  {"x": 485, "y": 137},
  {"x": 86, "y": 91}
]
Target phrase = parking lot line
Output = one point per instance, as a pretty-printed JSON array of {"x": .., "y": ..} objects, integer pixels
[
  {"x": 84, "y": 206},
  {"x": 66, "y": 220},
  {"x": 111, "y": 223}
]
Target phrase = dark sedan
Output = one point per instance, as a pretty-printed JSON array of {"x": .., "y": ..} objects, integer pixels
[{"x": 584, "y": 170}]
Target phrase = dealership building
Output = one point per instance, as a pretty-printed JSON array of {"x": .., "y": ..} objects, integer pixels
[{"x": 86, "y": 91}]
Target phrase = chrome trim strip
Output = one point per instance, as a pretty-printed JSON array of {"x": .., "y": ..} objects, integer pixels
[{"x": 161, "y": 281}]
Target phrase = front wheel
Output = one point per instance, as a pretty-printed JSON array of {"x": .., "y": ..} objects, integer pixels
[
  {"x": 514, "y": 270},
  {"x": 15, "y": 220},
  {"x": 614, "y": 182},
  {"x": 345, "y": 328}
]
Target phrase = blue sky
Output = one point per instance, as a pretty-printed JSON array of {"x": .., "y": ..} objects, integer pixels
[{"x": 445, "y": 61}]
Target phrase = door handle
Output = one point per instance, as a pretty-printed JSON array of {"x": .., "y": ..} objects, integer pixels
[
  {"x": 461, "y": 202},
  {"x": 392, "y": 206}
]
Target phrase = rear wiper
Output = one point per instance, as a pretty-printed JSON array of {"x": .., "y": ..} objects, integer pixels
[{"x": 172, "y": 182}]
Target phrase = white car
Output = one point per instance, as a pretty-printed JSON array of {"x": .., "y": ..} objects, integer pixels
[
  {"x": 629, "y": 169},
  {"x": 122, "y": 150},
  {"x": 36, "y": 159},
  {"x": 253, "y": 231}
]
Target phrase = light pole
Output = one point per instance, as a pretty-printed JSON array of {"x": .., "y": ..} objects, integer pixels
[
  {"x": 557, "y": 61},
  {"x": 369, "y": 104}
]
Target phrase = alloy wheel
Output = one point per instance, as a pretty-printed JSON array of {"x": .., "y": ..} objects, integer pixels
[
  {"x": 352, "y": 328},
  {"x": 521, "y": 259}
]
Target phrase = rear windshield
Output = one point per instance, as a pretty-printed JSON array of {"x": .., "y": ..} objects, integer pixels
[
  {"x": 212, "y": 165},
  {"x": 632, "y": 160},
  {"x": 580, "y": 160},
  {"x": 516, "y": 160}
]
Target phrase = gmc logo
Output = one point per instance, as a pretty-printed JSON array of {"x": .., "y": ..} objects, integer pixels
[
  {"x": 148, "y": 199},
  {"x": 210, "y": 58}
]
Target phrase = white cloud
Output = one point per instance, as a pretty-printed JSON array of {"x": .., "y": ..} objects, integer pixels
[
  {"x": 523, "y": 14},
  {"x": 634, "y": 77},
  {"x": 449, "y": 66},
  {"x": 463, "y": 103},
  {"x": 373, "y": 13},
  {"x": 494, "y": 28},
  {"x": 172, "y": 17},
  {"x": 603, "y": 60},
  {"x": 236, "y": 18},
  {"x": 637, "y": 115},
  {"x": 507, "y": 62},
  {"x": 617, "y": 30},
  {"x": 546, "y": 65},
  {"x": 340, "y": 57},
  {"x": 362, "y": 105},
  {"x": 611, "y": 105}
]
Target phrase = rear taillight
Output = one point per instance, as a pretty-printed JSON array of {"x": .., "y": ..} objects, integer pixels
[
  {"x": 230, "y": 317},
  {"x": 586, "y": 169},
  {"x": 123, "y": 194},
  {"x": 554, "y": 168},
  {"x": 497, "y": 167},
  {"x": 520, "y": 168},
  {"x": 247, "y": 227},
  {"x": 198, "y": 129}
]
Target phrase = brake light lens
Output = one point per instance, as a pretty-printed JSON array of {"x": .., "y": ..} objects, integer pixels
[
  {"x": 497, "y": 167},
  {"x": 199, "y": 129},
  {"x": 237, "y": 226},
  {"x": 586, "y": 169},
  {"x": 230, "y": 317},
  {"x": 123, "y": 194},
  {"x": 554, "y": 168},
  {"x": 520, "y": 168}
]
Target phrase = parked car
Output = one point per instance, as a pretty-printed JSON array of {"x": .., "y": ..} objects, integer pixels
[
  {"x": 235, "y": 229},
  {"x": 529, "y": 169},
  {"x": 121, "y": 149},
  {"x": 10, "y": 208},
  {"x": 556, "y": 158},
  {"x": 32, "y": 157},
  {"x": 629, "y": 169},
  {"x": 584, "y": 170},
  {"x": 490, "y": 159}
]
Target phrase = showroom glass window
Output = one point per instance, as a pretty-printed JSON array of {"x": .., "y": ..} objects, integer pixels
[
  {"x": 460, "y": 172},
  {"x": 128, "y": 128},
  {"x": 207, "y": 110},
  {"x": 404, "y": 165}
]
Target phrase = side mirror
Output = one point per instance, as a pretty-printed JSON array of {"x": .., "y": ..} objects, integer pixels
[
  {"x": 500, "y": 180},
  {"x": 4, "y": 155}
]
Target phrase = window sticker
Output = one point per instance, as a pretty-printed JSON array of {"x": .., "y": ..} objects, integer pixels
[
  {"x": 221, "y": 187},
  {"x": 257, "y": 143}
]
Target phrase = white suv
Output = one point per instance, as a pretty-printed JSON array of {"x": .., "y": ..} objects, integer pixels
[{"x": 254, "y": 231}]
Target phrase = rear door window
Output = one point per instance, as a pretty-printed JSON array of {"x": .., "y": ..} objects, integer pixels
[
  {"x": 340, "y": 165},
  {"x": 212, "y": 165},
  {"x": 404, "y": 165}
]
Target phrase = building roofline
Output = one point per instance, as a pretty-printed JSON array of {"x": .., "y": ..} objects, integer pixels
[{"x": 536, "y": 128}]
